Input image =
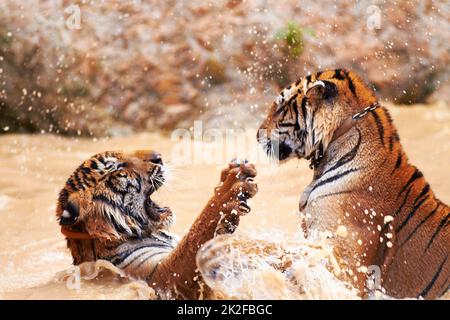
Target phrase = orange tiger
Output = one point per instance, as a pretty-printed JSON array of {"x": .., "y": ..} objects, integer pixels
[
  {"x": 379, "y": 208},
  {"x": 105, "y": 212}
]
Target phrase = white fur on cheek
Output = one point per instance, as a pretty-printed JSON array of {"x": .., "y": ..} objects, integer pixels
[
  {"x": 286, "y": 94},
  {"x": 318, "y": 83}
]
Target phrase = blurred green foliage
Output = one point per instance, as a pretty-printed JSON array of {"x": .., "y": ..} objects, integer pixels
[{"x": 293, "y": 36}]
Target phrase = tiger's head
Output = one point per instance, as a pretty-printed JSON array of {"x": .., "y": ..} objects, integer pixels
[
  {"x": 108, "y": 197},
  {"x": 303, "y": 119}
]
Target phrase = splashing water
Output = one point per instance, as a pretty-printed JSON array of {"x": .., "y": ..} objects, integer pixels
[
  {"x": 251, "y": 264},
  {"x": 91, "y": 271},
  {"x": 244, "y": 267}
]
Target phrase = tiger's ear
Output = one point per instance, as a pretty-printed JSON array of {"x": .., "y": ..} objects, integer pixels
[
  {"x": 71, "y": 211},
  {"x": 70, "y": 214},
  {"x": 321, "y": 90}
]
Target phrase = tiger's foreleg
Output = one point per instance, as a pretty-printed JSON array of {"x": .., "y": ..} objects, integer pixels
[{"x": 177, "y": 273}]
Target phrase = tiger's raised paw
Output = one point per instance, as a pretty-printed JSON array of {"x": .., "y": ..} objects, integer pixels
[{"x": 236, "y": 186}]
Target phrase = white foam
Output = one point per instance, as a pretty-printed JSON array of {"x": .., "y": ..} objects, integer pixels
[
  {"x": 246, "y": 267},
  {"x": 4, "y": 201}
]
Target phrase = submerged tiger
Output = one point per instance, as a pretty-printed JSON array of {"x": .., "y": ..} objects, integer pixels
[
  {"x": 380, "y": 209},
  {"x": 105, "y": 212}
]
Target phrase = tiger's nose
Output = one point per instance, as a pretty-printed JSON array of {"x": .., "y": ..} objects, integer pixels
[
  {"x": 156, "y": 158},
  {"x": 149, "y": 156}
]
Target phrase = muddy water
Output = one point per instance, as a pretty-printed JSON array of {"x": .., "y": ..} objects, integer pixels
[{"x": 34, "y": 262}]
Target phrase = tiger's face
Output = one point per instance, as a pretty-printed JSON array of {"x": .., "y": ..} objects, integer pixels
[
  {"x": 301, "y": 121},
  {"x": 108, "y": 196}
]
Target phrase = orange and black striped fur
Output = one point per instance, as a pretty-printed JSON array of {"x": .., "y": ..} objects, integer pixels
[
  {"x": 363, "y": 185},
  {"x": 105, "y": 212}
]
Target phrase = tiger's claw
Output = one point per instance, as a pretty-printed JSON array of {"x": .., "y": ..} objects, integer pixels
[{"x": 236, "y": 187}]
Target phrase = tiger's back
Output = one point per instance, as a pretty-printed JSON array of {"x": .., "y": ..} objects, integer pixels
[{"x": 397, "y": 222}]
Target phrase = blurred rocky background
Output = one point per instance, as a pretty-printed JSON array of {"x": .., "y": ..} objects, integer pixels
[{"x": 136, "y": 65}]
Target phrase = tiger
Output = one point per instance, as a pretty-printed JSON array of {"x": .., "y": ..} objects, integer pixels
[
  {"x": 105, "y": 211},
  {"x": 379, "y": 211}
]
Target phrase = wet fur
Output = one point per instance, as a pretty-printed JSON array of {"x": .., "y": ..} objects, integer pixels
[
  {"x": 108, "y": 197},
  {"x": 359, "y": 179}
]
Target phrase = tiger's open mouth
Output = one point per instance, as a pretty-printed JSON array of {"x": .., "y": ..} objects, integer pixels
[
  {"x": 276, "y": 149},
  {"x": 153, "y": 210}
]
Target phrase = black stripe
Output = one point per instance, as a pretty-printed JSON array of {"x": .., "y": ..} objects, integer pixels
[
  {"x": 416, "y": 175},
  {"x": 420, "y": 224},
  {"x": 63, "y": 196},
  {"x": 308, "y": 79},
  {"x": 333, "y": 178},
  {"x": 303, "y": 106},
  {"x": 94, "y": 165},
  {"x": 320, "y": 149},
  {"x": 78, "y": 182},
  {"x": 318, "y": 74},
  {"x": 334, "y": 194},
  {"x": 349, "y": 156},
  {"x": 151, "y": 256},
  {"x": 121, "y": 256},
  {"x": 403, "y": 203},
  {"x": 295, "y": 108},
  {"x": 379, "y": 125},
  {"x": 394, "y": 135},
  {"x": 71, "y": 184},
  {"x": 398, "y": 210},
  {"x": 85, "y": 169},
  {"x": 283, "y": 111},
  {"x": 280, "y": 110},
  {"x": 138, "y": 256},
  {"x": 165, "y": 235},
  {"x": 423, "y": 192},
  {"x": 292, "y": 98},
  {"x": 389, "y": 118},
  {"x": 284, "y": 132},
  {"x": 433, "y": 280},
  {"x": 101, "y": 158},
  {"x": 291, "y": 114},
  {"x": 438, "y": 229},
  {"x": 394, "y": 138},
  {"x": 88, "y": 179},
  {"x": 133, "y": 260},
  {"x": 338, "y": 74},
  {"x": 311, "y": 124},
  {"x": 391, "y": 143},
  {"x": 399, "y": 160},
  {"x": 286, "y": 125},
  {"x": 411, "y": 214},
  {"x": 351, "y": 86}
]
